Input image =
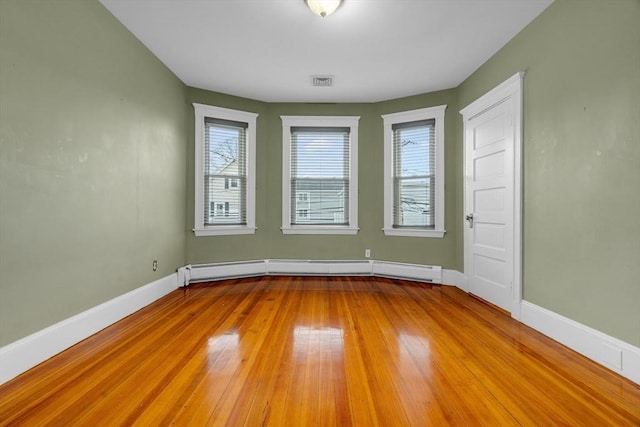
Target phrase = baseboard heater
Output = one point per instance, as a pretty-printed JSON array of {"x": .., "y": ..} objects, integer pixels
[
  {"x": 318, "y": 267},
  {"x": 422, "y": 273},
  {"x": 219, "y": 271},
  {"x": 228, "y": 270}
]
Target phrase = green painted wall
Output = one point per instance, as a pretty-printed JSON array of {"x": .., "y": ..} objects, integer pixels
[
  {"x": 92, "y": 163},
  {"x": 269, "y": 242},
  {"x": 581, "y": 159}
]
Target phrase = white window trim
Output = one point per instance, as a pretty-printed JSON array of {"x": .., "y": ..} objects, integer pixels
[
  {"x": 320, "y": 121},
  {"x": 389, "y": 120},
  {"x": 202, "y": 111}
]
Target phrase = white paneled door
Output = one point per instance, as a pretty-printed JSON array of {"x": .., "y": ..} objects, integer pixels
[{"x": 492, "y": 208}]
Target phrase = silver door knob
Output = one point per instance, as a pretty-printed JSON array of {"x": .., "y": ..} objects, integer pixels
[{"x": 470, "y": 219}]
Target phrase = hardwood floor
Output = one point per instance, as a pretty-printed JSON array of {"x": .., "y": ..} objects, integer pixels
[{"x": 310, "y": 351}]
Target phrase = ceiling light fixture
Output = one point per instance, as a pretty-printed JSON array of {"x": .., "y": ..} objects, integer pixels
[{"x": 323, "y": 7}]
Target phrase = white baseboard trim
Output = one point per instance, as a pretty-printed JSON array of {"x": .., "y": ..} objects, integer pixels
[
  {"x": 455, "y": 278},
  {"x": 616, "y": 355},
  {"x": 24, "y": 354}
]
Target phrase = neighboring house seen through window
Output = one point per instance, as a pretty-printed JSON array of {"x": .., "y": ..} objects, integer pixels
[
  {"x": 225, "y": 171},
  {"x": 414, "y": 173},
  {"x": 319, "y": 175}
]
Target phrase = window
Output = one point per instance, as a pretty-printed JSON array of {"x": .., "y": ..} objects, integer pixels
[
  {"x": 414, "y": 173},
  {"x": 302, "y": 207},
  {"x": 319, "y": 181},
  {"x": 230, "y": 183},
  {"x": 225, "y": 171}
]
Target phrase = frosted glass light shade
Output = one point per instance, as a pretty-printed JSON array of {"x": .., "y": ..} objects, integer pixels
[{"x": 323, "y": 7}]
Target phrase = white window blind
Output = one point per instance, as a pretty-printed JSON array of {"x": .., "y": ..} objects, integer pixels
[
  {"x": 225, "y": 177},
  {"x": 319, "y": 175},
  {"x": 414, "y": 167}
]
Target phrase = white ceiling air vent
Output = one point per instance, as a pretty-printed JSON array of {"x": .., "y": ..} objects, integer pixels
[{"x": 322, "y": 81}]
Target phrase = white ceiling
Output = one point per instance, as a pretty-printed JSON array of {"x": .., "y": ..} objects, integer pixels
[{"x": 376, "y": 49}]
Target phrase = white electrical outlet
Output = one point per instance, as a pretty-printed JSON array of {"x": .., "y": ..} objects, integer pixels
[{"x": 367, "y": 253}]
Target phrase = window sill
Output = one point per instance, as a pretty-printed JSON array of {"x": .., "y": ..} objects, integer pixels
[
  {"x": 439, "y": 234},
  {"x": 224, "y": 230},
  {"x": 326, "y": 229}
]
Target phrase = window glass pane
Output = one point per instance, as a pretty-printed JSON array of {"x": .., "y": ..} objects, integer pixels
[
  {"x": 415, "y": 200},
  {"x": 225, "y": 172},
  {"x": 414, "y": 174},
  {"x": 319, "y": 176}
]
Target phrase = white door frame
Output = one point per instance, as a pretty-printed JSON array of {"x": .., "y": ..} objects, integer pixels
[{"x": 510, "y": 88}]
